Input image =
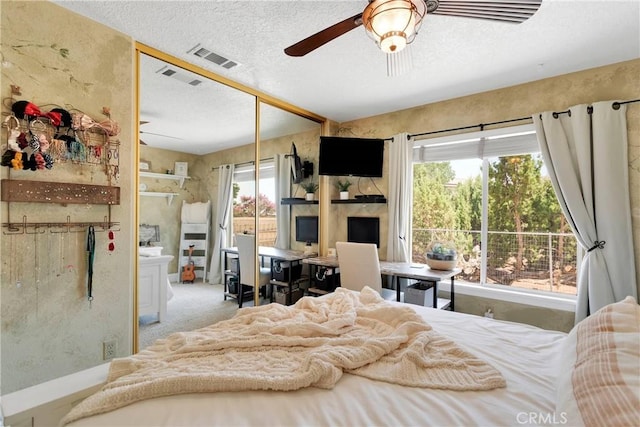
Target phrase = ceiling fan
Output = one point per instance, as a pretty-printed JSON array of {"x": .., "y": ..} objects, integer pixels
[
  {"x": 142, "y": 122},
  {"x": 394, "y": 23}
]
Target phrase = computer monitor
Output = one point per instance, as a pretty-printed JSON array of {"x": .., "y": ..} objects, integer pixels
[
  {"x": 363, "y": 229},
  {"x": 307, "y": 229}
]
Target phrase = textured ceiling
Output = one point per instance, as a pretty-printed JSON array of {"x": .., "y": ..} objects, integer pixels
[{"x": 346, "y": 78}]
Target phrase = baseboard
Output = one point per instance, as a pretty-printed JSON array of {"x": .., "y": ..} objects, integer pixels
[{"x": 45, "y": 404}]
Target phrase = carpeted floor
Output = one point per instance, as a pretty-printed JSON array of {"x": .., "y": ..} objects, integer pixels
[{"x": 193, "y": 306}]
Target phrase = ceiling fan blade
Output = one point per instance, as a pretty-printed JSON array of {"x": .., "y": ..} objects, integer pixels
[
  {"x": 322, "y": 37},
  {"x": 513, "y": 11},
  {"x": 159, "y": 134}
]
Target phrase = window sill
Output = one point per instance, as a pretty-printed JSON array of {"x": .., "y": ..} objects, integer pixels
[{"x": 556, "y": 302}]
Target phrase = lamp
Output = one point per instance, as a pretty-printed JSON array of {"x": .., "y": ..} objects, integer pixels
[{"x": 393, "y": 23}]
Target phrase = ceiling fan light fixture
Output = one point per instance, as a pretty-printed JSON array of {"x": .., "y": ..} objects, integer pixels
[
  {"x": 393, "y": 41},
  {"x": 393, "y": 24}
]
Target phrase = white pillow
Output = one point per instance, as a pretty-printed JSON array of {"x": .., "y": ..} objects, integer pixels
[{"x": 599, "y": 378}]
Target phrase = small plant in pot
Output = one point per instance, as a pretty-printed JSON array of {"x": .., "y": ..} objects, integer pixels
[
  {"x": 441, "y": 256},
  {"x": 310, "y": 188},
  {"x": 343, "y": 188}
]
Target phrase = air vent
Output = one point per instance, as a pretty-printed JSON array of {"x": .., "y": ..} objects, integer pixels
[
  {"x": 178, "y": 75},
  {"x": 210, "y": 56}
]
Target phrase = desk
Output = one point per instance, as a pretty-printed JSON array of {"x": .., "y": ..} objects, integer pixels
[
  {"x": 404, "y": 270},
  {"x": 275, "y": 255}
]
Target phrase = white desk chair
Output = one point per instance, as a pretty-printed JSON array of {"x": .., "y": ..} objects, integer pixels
[
  {"x": 247, "y": 258},
  {"x": 359, "y": 266}
]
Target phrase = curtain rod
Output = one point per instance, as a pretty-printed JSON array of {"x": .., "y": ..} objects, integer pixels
[
  {"x": 616, "y": 106},
  {"x": 480, "y": 125},
  {"x": 250, "y": 162}
]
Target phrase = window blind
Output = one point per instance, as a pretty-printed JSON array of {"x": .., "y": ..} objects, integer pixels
[
  {"x": 246, "y": 172},
  {"x": 507, "y": 141}
]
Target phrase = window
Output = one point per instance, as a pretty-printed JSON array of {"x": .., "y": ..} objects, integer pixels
[
  {"x": 244, "y": 203},
  {"x": 488, "y": 193}
]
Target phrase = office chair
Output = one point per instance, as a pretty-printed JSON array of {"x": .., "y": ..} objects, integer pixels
[
  {"x": 359, "y": 266},
  {"x": 246, "y": 260}
]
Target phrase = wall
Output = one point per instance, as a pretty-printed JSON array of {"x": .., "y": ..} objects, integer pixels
[
  {"x": 157, "y": 210},
  {"x": 545, "y": 318},
  {"x": 616, "y": 81},
  {"x": 612, "y": 82},
  {"x": 306, "y": 146},
  {"x": 49, "y": 328},
  {"x": 202, "y": 183}
]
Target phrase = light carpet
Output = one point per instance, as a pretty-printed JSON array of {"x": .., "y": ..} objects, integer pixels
[{"x": 193, "y": 306}]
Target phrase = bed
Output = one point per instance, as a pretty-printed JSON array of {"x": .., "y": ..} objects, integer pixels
[{"x": 541, "y": 371}]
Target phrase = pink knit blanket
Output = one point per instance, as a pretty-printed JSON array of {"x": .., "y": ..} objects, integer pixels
[{"x": 311, "y": 343}]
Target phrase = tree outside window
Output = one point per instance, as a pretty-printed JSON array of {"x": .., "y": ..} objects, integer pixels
[{"x": 528, "y": 242}]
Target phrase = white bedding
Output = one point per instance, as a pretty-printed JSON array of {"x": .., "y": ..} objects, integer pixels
[{"x": 526, "y": 356}]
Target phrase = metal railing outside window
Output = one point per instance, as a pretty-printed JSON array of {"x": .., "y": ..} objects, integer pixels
[{"x": 544, "y": 261}]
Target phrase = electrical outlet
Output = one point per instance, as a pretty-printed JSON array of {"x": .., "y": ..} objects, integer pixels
[{"x": 109, "y": 350}]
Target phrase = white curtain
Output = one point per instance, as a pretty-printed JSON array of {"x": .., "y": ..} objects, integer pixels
[
  {"x": 399, "y": 203},
  {"x": 585, "y": 153},
  {"x": 222, "y": 235},
  {"x": 283, "y": 189}
]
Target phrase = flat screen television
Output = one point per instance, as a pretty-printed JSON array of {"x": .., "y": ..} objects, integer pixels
[
  {"x": 341, "y": 156},
  {"x": 307, "y": 229},
  {"x": 297, "y": 171},
  {"x": 361, "y": 229}
]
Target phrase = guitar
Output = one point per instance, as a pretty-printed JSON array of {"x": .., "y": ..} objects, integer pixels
[{"x": 188, "y": 271}]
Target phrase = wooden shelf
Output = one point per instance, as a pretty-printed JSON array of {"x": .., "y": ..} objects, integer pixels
[
  {"x": 14, "y": 190},
  {"x": 294, "y": 201},
  {"x": 169, "y": 196},
  {"x": 178, "y": 178},
  {"x": 363, "y": 200}
]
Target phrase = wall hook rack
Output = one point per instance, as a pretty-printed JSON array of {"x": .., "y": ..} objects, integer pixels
[{"x": 26, "y": 227}]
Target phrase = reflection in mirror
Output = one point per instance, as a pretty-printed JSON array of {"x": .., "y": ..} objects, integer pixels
[
  {"x": 280, "y": 131},
  {"x": 189, "y": 125}
]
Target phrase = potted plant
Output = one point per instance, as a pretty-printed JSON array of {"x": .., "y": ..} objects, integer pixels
[
  {"x": 343, "y": 187},
  {"x": 310, "y": 188},
  {"x": 441, "y": 256}
]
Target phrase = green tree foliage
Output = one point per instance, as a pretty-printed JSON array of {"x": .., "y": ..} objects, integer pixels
[
  {"x": 521, "y": 200},
  {"x": 468, "y": 203},
  {"x": 546, "y": 214},
  {"x": 514, "y": 182},
  {"x": 439, "y": 204},
  {"x": 236, "y": 191},
  {"x": 433, "y": 205}
]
